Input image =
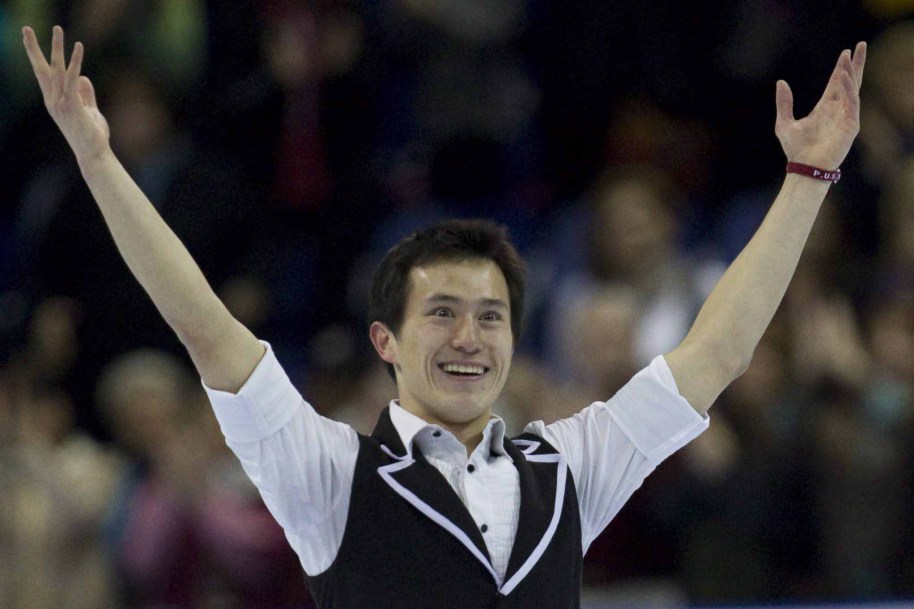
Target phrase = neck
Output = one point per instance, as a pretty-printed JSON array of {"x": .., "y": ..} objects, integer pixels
[
  {"x": 469, "y": 434},
  {"x": 472, "y": 442}
]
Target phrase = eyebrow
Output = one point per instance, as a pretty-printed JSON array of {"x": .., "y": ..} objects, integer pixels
[{"x": 486, "y": 302}]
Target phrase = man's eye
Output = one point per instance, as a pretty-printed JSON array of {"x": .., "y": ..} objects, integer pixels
[
  {"x": 442, "y": 312},
  {"x": 491, "y": 317}
]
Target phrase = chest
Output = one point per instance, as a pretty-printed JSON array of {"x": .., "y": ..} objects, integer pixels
[{"x": 409, "y": 533}]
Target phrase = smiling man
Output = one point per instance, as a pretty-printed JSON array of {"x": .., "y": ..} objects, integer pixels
[{"x": 437, "y": 508}]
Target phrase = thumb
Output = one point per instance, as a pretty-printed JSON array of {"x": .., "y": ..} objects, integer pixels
[
  {"x": 87, "y": 92},
  {"x": 784, "y": 101}
]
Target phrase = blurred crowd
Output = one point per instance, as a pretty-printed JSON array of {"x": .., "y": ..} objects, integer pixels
[{"x": 629, "y": 148}]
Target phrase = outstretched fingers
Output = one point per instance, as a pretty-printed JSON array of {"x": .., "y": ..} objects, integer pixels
[
  {"x": 851, "y": 95},
  {"x": 834, "y": 88},
  {"x": 72, "y": 76},
  {"x": 56, "y": 79},
  {"x": 843, "y": 89},
  {"x": 87, "y": 92},
  {"x": 58, "y": 64},
  {"x": 859, "y": 63},
  {"x": 57, "y": 59},
  {"x": 784, "y": 101},
  {"x": 36, "y": 58},
  {"x": 851, "y": 78}
]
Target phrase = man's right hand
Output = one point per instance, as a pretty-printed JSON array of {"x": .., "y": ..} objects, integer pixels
[{"x": 68, "y": 96}]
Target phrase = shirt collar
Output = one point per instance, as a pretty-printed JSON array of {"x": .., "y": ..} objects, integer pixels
[{"x": 408, "y": 425}]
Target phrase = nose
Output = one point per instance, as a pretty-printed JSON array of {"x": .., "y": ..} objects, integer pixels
[{"x": 465, "y": 337}]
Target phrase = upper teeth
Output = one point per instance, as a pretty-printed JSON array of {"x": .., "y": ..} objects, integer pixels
[{"x": 463, "y": 369}]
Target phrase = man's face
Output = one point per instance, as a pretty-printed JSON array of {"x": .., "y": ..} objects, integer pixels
[{"x": 453, "y": 350}]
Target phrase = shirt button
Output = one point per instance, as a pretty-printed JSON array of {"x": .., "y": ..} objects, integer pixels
[
  {"x": 484, "y": 528},
  {"x": 437, "y": 434},
  {"x": 471, "y": 468}
]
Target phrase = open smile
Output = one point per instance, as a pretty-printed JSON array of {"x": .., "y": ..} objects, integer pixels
[{"x": 464, "y": 371}]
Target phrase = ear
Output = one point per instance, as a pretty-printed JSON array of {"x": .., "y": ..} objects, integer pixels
[{"x": 384, "y": 341}]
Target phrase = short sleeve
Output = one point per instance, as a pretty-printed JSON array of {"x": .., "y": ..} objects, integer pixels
[
  {"x": 302, "y": 463},
  {"x": 611, "y": 447},
  {"x": 265, "y": 402},
  {"x": 653, "y": 415}
]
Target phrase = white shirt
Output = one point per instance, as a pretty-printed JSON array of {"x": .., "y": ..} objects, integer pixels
[
  {"x": 487, "y": 481},
  {"x": 303, "y": 463}
]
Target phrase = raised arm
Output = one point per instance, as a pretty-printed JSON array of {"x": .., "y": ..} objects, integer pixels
[
  {"x": 720, "y": 344},
  {"x": 223, "y": 350}
]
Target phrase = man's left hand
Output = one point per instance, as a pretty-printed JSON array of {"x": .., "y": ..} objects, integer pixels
[{"x": 823, "y": 138}]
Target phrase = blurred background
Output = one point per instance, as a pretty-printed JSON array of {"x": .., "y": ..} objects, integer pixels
[{"x": 628, "y": 146}]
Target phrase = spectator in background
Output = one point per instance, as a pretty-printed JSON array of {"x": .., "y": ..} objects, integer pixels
[
  {"x": 142, "y": 396},
  {"x": 862, "y": 464},
  {"x": 300, "y": 120},
  {"x": 886, "y": 132},
  {"x": 14, "y": 73},
  {"x": 890, "y": 324},
  {"x": 890, "y": 405},
  {"x": 642, "y": 133},
  {"x": 896, "y": 209},
  {"x": 887, "y": 125},
  {"x": 821, "y": 311},
  {"x": 458, "y": 90},
  {"x": 598, "y": 341},
  {"x": 631, "y": 238},
  {"x": 168, "y": 36},
  {"x": 744, "y": 494},
  {"x": 51, "y": 344},
  {"x": 186, "y": 529},
  {"x": 309, "y": 79},
  {"x": 55, "y": 482}
]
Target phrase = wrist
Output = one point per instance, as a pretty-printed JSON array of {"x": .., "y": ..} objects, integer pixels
[
  {"x": 90, "y": 162},
  {"x": 806, "y": 188},
  {"x": 814, "y": 172}
]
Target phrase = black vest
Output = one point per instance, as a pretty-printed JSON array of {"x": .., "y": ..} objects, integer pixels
[{"x": 410, "y": 543}]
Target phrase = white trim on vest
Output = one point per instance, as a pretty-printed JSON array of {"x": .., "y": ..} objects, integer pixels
[
  {"x": 540, "y": 549},
  {"x": 505, "y": 588},
  {"x": 437, "y": 517},
  {"x": 531, "y": 445}
]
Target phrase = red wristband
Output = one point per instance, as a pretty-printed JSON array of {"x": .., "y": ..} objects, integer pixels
[{"x": 814, "y": 172}]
